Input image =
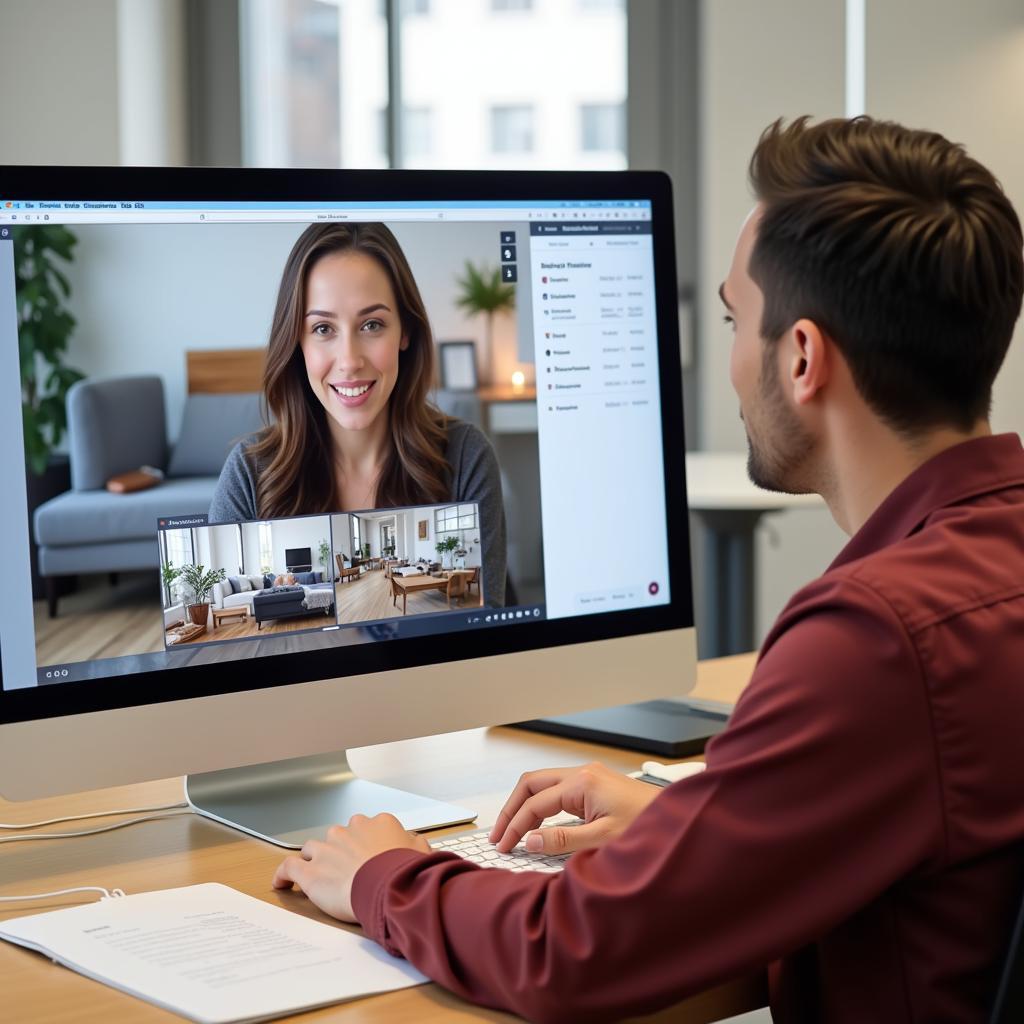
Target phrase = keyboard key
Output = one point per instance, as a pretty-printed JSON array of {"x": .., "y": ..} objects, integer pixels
[{"x": 474, "y": 847}]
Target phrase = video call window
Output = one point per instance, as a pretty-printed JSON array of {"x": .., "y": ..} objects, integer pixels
[{"x": 195, "y": 418}]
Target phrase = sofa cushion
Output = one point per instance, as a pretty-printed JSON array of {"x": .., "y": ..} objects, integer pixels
[
  {"x": 211, "y": 425},
  {"x": 94, "y": 517},
  {"x": 115, "y": 426},
  {"x": 307, "y": 578},
  {"x": 239, "y": 600}
]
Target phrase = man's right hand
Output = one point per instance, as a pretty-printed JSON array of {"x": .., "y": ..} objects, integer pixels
[{"x": 606, "y": 800}]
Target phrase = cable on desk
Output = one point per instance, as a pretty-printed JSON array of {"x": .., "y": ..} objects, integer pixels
[
  {"x": 95, "y": 814},
  {"x": 108, "y": 894},
  {"x": 87, "y": 832}
]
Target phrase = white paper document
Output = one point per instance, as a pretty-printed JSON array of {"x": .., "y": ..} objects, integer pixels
[{"x": 212, "y": 954}]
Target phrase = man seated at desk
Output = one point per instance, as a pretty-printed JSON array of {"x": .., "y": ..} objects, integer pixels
[{"x": 860, "y": 826}]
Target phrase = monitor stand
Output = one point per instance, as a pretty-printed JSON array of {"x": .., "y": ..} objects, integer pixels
[
  {"x": 288, "y": 802},
  {"x": 672, "y": 728}
]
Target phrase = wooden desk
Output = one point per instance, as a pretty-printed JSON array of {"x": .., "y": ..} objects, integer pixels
[{"x": 477, "y": 767}]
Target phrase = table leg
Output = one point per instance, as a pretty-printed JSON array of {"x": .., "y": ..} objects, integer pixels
[{"x": 729, "y": 581}]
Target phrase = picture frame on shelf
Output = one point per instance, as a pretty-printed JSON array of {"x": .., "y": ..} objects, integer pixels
[{"x": 457, "y": 360}]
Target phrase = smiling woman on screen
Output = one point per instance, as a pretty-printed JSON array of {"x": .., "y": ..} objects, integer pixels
[{"x": 348, "y": 369}]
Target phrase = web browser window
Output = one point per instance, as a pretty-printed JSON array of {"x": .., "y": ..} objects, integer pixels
[{"x": 196, "y": 523}]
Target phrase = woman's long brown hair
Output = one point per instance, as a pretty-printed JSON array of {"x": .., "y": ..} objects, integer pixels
[{"x": 293, "y": 455}]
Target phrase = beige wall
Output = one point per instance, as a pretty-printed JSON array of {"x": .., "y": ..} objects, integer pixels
[{"x": 58, "y": 80}]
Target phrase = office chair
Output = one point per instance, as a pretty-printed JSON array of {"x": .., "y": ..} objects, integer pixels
[{"x": 1009, "y": 1005}]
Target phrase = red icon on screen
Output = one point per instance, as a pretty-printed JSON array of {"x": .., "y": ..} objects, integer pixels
[{"x": 652, "y": 589}]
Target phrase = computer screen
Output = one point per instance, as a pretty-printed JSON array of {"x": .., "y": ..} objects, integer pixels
[{"x": 187, "y": 358}]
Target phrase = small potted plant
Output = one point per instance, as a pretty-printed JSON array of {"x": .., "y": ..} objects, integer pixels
[
  {"x": 482, "y": 290},
  {"x": 324, "y": 551},
  {"x": 445, "y": 548},
  {"x": 200, "y": 582}
]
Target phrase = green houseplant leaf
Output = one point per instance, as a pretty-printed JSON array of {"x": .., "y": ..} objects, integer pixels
[
  {"x": 201, "y": 581},
  {"x": 44, "y": 329},
  {"x": 483, "y": 291}
]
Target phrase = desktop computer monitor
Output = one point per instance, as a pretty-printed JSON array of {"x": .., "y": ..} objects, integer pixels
[{"x": 199, "y": 576}]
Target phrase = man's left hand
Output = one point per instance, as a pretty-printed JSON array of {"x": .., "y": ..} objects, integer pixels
[{"x": 324, "y": 870}]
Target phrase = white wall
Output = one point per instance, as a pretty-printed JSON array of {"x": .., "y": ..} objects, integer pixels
[
  {"x": 223, "y": 549},
  {"x": 58, "y": 80},
  {"x": 304, "y": 532},
  {"x": 958, "y": 69},
  {"x": 423, "y": 548},
  {"x": 760, "y": 61},
  {"x": 341, "y": 538}
]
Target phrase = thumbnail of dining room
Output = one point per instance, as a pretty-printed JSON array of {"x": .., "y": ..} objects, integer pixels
[{"x": 410, "y": 561}]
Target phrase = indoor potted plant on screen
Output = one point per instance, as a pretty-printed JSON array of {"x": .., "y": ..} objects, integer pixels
[
  {"x": 200, "y": 582},
  {"x": 446, "y": 546},
  {"x": 41, "y": 256},
  {"x": 483, "y": 291}
]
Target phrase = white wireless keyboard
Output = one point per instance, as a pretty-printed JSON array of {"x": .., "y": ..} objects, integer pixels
[{"x": 475, "y": 847}]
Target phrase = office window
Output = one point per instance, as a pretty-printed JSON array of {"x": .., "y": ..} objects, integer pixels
[
  {"x": 178, "y": 551},
  {"x": 407, "y": 7},
  {"x": 317, "y": 92},
  {"x": 357, "y": 544},
  {"x": 601, "y": 127},
  {"x": 266, "y": 548},
  {"x": 452, "y": 518},
  {"x": 417, "y": 132},
  {"x": 314, "y": 77},
  {"x": 512, "y": 129}
]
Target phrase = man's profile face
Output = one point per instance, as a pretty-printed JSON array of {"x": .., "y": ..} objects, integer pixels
[{"x": 778, "y": 442}]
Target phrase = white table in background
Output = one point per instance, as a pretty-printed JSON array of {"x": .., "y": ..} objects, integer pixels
[{"x": 730, "y": 507}]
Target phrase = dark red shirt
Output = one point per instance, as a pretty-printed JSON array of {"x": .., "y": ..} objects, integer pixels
[{"x": 860, "y": 825}]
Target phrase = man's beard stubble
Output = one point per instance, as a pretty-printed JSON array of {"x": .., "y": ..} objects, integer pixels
[{"x": 779, "y": 459}]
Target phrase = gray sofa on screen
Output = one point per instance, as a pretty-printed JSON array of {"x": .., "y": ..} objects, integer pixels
[{"x": 118, "y": 425}]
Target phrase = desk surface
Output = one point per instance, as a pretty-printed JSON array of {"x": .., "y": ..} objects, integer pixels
[{"x": 477, "y": 767}]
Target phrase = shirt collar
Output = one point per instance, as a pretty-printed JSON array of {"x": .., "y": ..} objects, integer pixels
[{"x": 964, "y": 471}]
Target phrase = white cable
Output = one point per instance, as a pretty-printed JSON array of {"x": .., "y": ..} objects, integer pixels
[
  {"x": 97, "y": 814},
  {"x": 107, "y": 894},
  {"x": 86, "y": 832}
]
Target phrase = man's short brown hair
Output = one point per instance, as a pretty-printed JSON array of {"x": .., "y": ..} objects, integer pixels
[{"x": 903, "y": 249}]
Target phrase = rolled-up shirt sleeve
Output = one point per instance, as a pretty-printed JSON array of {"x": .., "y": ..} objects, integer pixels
[{"x": 822, "y": 792}]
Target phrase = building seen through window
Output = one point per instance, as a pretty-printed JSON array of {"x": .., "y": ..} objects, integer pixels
[{"x": 483, "y": 83}]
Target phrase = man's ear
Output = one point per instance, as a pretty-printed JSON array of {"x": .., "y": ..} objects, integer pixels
[{"x": 807, "y": 355}]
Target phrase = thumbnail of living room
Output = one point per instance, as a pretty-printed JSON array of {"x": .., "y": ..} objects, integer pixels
[
  {"x": 412, "y": 561},
  {"x": 243, "y": 580}
]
